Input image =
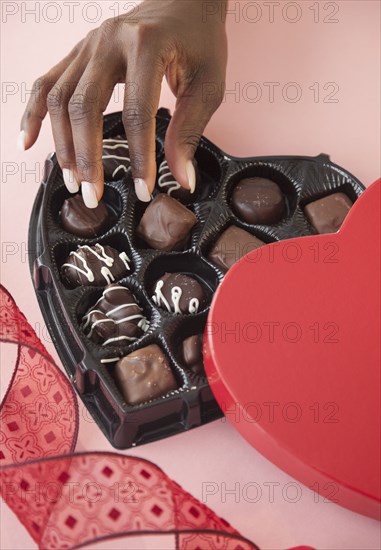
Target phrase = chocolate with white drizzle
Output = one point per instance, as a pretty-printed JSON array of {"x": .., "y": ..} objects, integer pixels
[
  {"x": 179, "y": 293},
  {"x": 95, "y": 266},
  {"x": 167, "y": 184},
  {"x": 116, "y": 318},
  {"x": 115, "y": 158}
]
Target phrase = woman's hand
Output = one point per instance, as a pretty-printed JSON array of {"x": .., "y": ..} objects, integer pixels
[{"x": 179, "y": 39}]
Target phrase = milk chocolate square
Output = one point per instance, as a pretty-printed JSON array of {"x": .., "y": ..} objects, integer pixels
[
  {"x": 232, "y": 245},
  {"x": 327, "y": 214},
  {"x": 144, "y": 374}
]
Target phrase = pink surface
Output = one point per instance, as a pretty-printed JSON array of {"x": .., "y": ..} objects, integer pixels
[{"x": 214, "y": 458}]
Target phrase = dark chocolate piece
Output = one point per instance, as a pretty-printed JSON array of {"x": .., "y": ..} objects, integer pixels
[
  {"x": 79, "y": 220},
  {"x": 144, "y": 374},
  {"x": 167, "y": 184},
  {"x": 258, "y": 201},
  {"x": 178, "y": 293},
  {"x": 166, "y": 224},
  {"x": 116, "y": 318},
  {"x": 115, "y": 158},
  {"x": 95, "y": 266},
  {"x": 231, "y": 246},
  {"x": 327, "y": 214},
  {"x": 192, "y": 354}
]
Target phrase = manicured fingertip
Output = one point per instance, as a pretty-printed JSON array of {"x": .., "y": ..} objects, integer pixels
[
  {"x": 191, "y": 174},
  {"x": 70, "y": 181},
  {"x": 141, "y": 190},
  {"x": 89, "y": 194},
  {"x": 21, "y": 141}
]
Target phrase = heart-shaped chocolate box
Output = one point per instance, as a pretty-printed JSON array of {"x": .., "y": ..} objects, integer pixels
[
  {"x": 301, "y": 179},
  {"x": 307, "y": 390}
]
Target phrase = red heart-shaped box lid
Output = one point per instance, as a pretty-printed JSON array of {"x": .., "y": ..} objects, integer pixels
[{"x": 292, "y": 353}]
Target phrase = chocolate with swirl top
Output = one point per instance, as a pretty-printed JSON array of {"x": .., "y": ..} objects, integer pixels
[
  {"x": 115, "y": 158},
  {"x": 144, "y": 374},
  {"x": 179, "y": 293},
  {"x": 166, "y": 224},
  {"x": 95, "y": 266},
  {"x": 115, "y": 318},
  {"x": 168, "y": 184}
]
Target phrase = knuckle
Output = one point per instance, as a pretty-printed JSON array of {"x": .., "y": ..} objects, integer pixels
[
  {"x": 108, "y": 27},
  {"x": 137, "y": 119},
  {"x": 54, "y": 100},
  {"x": 79, "y": 108},
  {"x": 189, "y": 138},
  {"x": 143, "y": 32},
  {"x": 90, "y": 36},
  {"x": 40, "y": 88}
]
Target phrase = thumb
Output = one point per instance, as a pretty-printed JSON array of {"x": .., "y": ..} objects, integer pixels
[{"x": 193, "y": 111}]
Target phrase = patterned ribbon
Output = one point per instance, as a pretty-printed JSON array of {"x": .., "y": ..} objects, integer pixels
[{"x": 68, "y": 500}]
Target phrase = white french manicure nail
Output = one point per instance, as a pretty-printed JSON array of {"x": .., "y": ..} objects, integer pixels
[
  {"x": 191, "y": 174},
  {"x": 89, "y": 195},
  {"x": 21, "y": 141},
  {"x": 70, "y": 181},
  {"x": 141, "y": 190}
]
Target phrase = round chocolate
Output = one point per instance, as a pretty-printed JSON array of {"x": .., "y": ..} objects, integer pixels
[
  {"x": 258, "y": 201},
  {"x": 144, "y": 374},
  {"x": 115, "y": 318},
  {"x": 179, "y": 293},
  {"x": 192, "y": 354},
  {"x": 79, "y": 220},
  {"x": 95, "y": 266}
]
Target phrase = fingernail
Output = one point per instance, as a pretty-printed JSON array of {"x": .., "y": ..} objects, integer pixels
[
  {"x": 21, "y": 141},
  {"x": 89, "y": 195},
  {"x": 191, "y": 174},
  {"x": 70, "y": 181},
  {"x": 141, "y": 190}
]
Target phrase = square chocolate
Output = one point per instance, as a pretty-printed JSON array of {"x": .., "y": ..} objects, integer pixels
[
  {"x": 327, "y": 214},
  {"x": 166, "y": 224},
  {"x": 144, "y": 374},
  {"x": 232, "y": 245}
]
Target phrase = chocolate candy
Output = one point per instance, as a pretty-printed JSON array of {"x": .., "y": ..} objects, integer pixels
[
  {"x": 95, "y": 266},
  {"x": 231, "y": 246},
  {"x": 166, "y": 224},
  {"x": 167, "y": 183},
  {"x": 144, "y": 374},
  {"x": 115, "y": 158},
  {"x": 192, "y": 354},
  {"x": 327, "y": 214},
  {"x": 178, "y": 293},
  {"x": 79, "y": 220},
  {"x": 115, "y": 318},
  {"x": 258, "y": 201}
]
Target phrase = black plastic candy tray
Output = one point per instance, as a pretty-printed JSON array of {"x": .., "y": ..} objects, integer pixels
[{"x": 88, "y": 365}]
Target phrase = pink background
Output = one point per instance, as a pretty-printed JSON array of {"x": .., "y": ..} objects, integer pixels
[{"x": 310, "y": 54}]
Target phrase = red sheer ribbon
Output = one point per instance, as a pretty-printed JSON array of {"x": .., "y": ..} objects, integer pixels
[{"x": 68, "y": 500}]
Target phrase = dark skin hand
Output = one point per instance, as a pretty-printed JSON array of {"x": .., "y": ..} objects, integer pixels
[{"x": 177, "y": 39}]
